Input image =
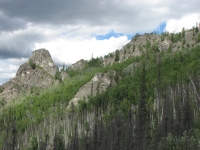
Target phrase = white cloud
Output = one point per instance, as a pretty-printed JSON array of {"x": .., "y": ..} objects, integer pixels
[
  {"x": 17, "y": 62},
  {"x": 7, "y": 70},
  {"x": 188, "y": 21},
  {"x": 68, "y": 28},
  {"x": 71, "y": 50}
]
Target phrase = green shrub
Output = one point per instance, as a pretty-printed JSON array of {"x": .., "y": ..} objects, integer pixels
[
  {"x": 198, "y": 38},
  {"x": 183, "y": 42},
  {"x": 58, "y": 76},
  {"x": 32, "y": 64},
  {"x": 117, "y": 55},
  {"x": 188, "y": 45},
  {"x": 133, "y": 47},
  {"x": 186, "y": 141},
  {"x": 128, "y": 46},
  {"x": 95, "y": 62},
  {"x": 1, "y": 89}
]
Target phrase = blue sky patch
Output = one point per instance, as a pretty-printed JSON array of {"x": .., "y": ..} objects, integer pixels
[
  {"x": 159, "y": 30},
  {"x": 162, "y": 27},
  {"x": 109, "y": 35}
]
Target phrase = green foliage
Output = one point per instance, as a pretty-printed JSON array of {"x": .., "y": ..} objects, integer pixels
[
  {"x": 2, "y": 102},
  {"x": 148, "y": 44},
  {"x": 128, "y": 46},
  {"x": 172, "y": 37},
  {"x": 183, "y": 32},
  {"x": 133, "y": 49},
  {"x": 45, "y": 101},
  {"x": 198, "y": 38},
  {"x": 34, "y": 90},
  {"x": 188, "y": 45},
  {"x": 196, "y": 29},
  {"x": 1, "y": 89},
  {"x": 140, "y": 48},
  {"x": 193, "y": 31},
  {"x": 58, "y": 76},
  {"x": 176, "y": 37},
  {"x": 155, "y": 48},
  {"x": 72, "y": 72},
  {"x": 183, "y": 42},
  {"x": 162, "y": 38},
  {"x": 185, "y": 142},
  {"x": 117, "y": 108},
  {"x": 87, "y": 126},
  {"x": 34, "y": 144},
  {"x": 111, "y": 55},
  {"x": 117, "y": 55},
  {"x": 95, "y": 62},
  {"x": 32, "y": 64},
  {"x": 63, "y": 68}
]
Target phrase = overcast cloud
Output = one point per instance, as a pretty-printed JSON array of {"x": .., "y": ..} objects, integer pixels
[{"x": 69, "y": 28}]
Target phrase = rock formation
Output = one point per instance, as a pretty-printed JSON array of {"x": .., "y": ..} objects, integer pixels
[
  {"x": 41, "y": 75},
  {"x": 78, "y": 65},
  {"x": 99, "y": 83},
  {"x": 43, "y": 59}
]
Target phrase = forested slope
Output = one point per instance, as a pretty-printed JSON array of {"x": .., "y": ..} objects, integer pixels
[{"x": 155, "y": 105}]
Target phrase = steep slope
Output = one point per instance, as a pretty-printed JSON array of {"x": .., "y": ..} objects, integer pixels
[
  {"x": 153, "y": 105},
  {"x": 38, "y": 72},
  {"x": 99, "y": 83},
  {"x": 156, "y": 43}
]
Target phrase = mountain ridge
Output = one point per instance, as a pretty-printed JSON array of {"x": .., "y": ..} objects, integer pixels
[{"x": 156, "y": 94}]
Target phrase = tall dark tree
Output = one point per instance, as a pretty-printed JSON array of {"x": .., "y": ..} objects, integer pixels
[{"x": 142, "y": 112}]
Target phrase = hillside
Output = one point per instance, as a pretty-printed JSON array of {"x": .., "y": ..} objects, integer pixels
[{"x": 143, "y": 96}]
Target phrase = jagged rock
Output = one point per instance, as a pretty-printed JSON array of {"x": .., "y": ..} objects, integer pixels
[
  {"x": 43, "y": 59},
  {"x": 164, "y": 45},
  {"x": 26, "y": 77},
  {"x": 63, "y": 75},
  {"x": 134, "y": 48},
  {"x": 99, "y": 83},
  {"x": 78, "y": 65}
]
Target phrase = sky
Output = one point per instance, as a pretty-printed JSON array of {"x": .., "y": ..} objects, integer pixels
[{"x": 77, "y": 29}]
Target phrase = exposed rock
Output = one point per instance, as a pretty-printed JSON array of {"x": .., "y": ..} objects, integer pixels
[
  {"x": 26, "y": 77},
  {"x": 63, "y": 75},
  {"x": 134, "y": 48},
  {"x": 99, "y": 83},
  {"x": 164, "y": 45},
  {"x": 43, "y": 59},
  {"x": 131, "y": 68},
  {"x": 78, "y": 65}
]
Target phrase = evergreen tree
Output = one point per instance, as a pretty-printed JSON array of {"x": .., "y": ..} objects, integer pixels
[{"x": 142, "y": 112}]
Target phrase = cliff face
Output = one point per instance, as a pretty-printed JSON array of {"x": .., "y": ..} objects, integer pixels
[
  {"x": 27, "y": 76},
  {"x": 99, "y": 83},
  {"x": 43, "y": 59}
]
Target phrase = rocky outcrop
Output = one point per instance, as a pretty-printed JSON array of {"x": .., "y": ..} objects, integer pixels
[
  {"x": 134, "y": 48},
  {"x": 99, "y": 83},
  {"x": 78, "y": 65},
  {"x": 164, "y": 45},
  {"x": 43, "y": 59},
  {"x": 63, "y": 75},
  {"x": 40, "y": 76},
  {"x": 130, "y": 69}
]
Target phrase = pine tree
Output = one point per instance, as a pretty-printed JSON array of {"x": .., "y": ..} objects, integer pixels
[{"x": 142, "y": 112}]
